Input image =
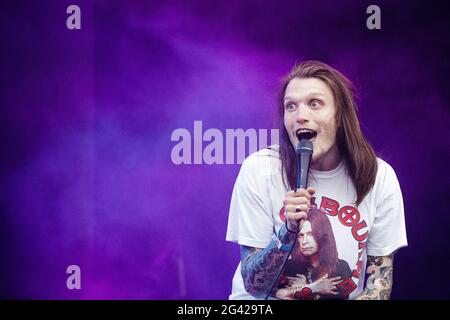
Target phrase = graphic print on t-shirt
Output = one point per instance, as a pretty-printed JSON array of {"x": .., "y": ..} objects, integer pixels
[{"x": 315, "y": 270}]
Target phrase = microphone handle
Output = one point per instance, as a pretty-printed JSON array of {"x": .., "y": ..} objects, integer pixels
[{"x": 303, "y": 160}]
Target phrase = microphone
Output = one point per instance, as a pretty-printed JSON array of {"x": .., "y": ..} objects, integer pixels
[{"x": 304, "y": 152}]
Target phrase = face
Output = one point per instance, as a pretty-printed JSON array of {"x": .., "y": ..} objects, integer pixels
[
  {"x": 310, "y": 113},
  {"x": 308, "y": 245}
]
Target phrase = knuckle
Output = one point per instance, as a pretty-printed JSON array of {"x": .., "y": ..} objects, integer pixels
[
  {"x": 301, "y": 200},
  {"x": 296, "y": 215}
]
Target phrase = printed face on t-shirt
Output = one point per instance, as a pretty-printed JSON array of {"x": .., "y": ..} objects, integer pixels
[
  {"x": 309, "y": 111},
  {"x": 308, "y": 245}
]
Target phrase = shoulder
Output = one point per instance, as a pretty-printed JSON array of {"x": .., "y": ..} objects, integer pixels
[
  {"x": 266, "y": 154},
  {"x": 258, "y": 168},
  {"x": 263, "y": 161},
  {"x": 386, "y": 177},
  {"x": 385, "y": 170},
  {"x": 386, "y": 182}
]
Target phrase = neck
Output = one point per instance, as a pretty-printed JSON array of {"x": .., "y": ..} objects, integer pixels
[
  {"x": 315, "y": 261},
  {"x": 328, "y": 162}
]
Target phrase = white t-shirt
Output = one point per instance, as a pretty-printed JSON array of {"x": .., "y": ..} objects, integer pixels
[{"x": 375, "y": 228}]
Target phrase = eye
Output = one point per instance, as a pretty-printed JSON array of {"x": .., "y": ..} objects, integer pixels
[
  {"x": 290, "y": 106},
  {"x": 315, "y": 103}
]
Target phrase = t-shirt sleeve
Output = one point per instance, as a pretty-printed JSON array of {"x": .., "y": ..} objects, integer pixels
[
  {"x": 388, "y": 232},
  {"x": 250, "y": 222}
]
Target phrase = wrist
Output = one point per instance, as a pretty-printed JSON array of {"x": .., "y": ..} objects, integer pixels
[
  {"x": 287, "y": 237},
  {"x": 282, "y": 245},
  {"x": 305, "y": 293},
  {"x": 292, "y": 227}
]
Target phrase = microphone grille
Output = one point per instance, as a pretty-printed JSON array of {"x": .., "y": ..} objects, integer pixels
[{"x": 305, "y": 146}]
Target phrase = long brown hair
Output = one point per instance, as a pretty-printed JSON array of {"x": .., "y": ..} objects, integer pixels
[{"x": 358, "y": 154}]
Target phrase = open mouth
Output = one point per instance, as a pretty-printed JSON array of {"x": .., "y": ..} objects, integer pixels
[{"x": 307, "y": 134}]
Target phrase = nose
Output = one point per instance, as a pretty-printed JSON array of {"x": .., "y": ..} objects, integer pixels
[
  {"x": 305, "y": 239},
  {"x": 302, "y": 114}
]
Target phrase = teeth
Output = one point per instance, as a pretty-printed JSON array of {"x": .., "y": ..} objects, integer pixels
[{"x": 305, "y": 130}]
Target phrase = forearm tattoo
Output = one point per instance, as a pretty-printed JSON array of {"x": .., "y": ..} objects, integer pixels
[
  {"x": 260, "y": 267},
  {"x": 379, "y": 282}
]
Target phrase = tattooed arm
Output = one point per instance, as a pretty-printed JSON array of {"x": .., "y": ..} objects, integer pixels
[
  {"x": 379, "y": 283},
  {"x": 260, "y": 267}
]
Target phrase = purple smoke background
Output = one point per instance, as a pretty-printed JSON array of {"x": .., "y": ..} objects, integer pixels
[{"x": 86, "y": 120}]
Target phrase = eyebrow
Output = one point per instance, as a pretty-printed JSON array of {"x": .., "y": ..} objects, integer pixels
[{"x": 317, "y": 94}]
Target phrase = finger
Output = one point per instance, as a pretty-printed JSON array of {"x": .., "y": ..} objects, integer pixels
[
  {"x": 296, "y": 208},
  {"x": 311, "y": 190},
  {"x": 296, "y": 200},
  {"x": 295, "y": 216},
  {"x": 308, "y": 192},
  {"x": 302, "y": 193},
  {"x": 335, "y": 278},
  {"x": 325, "y": 276},
  {"x": 299, "y": 192},
  {"x": 290, "y": 193}
]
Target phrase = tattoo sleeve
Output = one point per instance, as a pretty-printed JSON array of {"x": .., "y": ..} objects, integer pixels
[
  {"x": 260, "y": 267},
  {"x": 379, "y": 282}
]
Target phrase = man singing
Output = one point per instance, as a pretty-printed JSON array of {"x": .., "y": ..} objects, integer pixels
[{"x": 356, "y": 191}]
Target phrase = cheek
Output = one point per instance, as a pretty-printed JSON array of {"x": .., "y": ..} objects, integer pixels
[
  {"x": 287, "y": 122},
  {"x": 286, "y": 125},
  {"x": 329, "y": 133},
  {"x": 328, "y": 136}
]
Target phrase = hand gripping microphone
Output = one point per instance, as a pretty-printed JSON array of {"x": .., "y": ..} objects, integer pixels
[{"x": 304, "y": 153}]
